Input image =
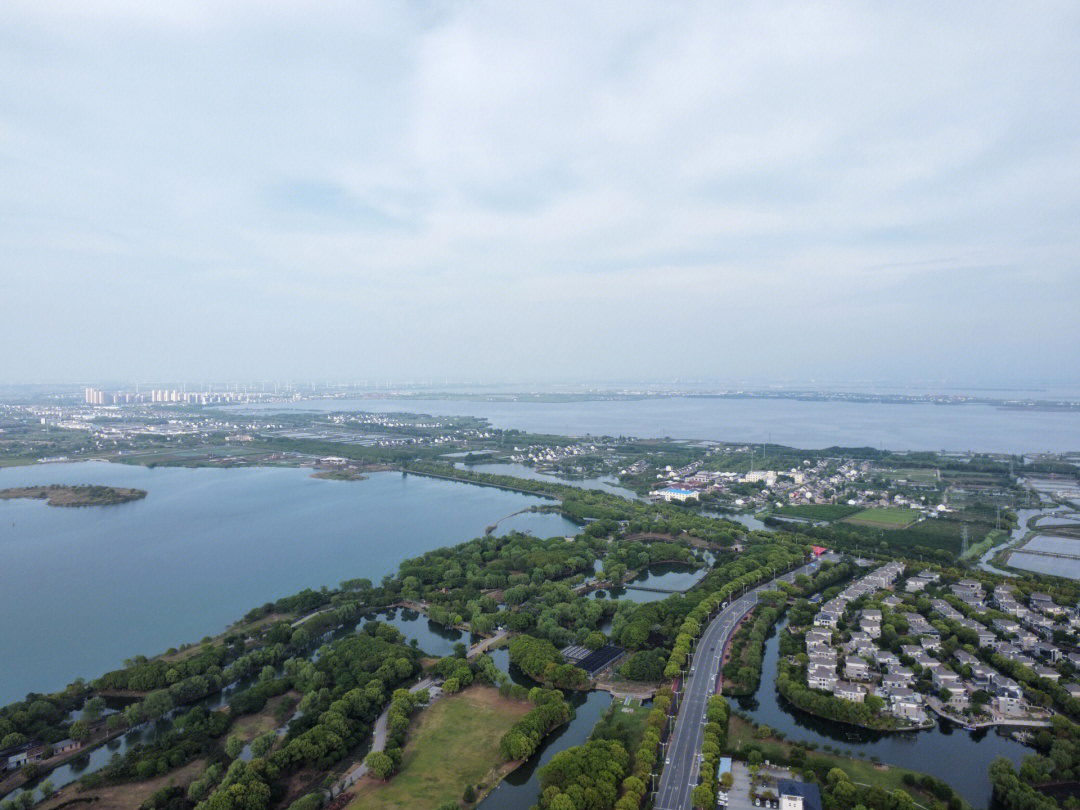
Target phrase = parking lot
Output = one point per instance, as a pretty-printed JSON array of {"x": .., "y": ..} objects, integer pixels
[{"x": 739, "y": 796}]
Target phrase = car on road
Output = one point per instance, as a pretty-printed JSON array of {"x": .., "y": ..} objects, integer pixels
[{"x": 667, "y": 761}]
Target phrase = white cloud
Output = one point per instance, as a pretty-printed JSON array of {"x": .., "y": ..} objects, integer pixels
[{"x": 569, "y": 166}]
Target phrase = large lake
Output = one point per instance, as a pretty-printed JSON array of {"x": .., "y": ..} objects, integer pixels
[
  {"x": 83, "y": 589},
  {"x": 808, "y": 424}
]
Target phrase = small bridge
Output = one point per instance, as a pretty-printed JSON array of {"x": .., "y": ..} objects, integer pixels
[{"x": 651, "y": 589}]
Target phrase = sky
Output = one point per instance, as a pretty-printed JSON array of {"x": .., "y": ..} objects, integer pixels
[{"x": 547, "y": 191}]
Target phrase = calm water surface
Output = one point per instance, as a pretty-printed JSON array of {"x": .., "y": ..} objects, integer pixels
[
  {"x": 83, "y": 589},
  {"x": 790, "y": 422}
]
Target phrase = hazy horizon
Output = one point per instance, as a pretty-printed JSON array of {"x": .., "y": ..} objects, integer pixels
[{"x": 538, "y": 193}]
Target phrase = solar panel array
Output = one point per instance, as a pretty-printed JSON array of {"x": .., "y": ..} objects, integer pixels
[{"x": 592, "y": 661}]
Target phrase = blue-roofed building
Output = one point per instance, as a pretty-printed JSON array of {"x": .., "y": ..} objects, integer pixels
[
  {"x": 798, "y": 795},
  {"x": 677, "y": 494},
  {"x": 725, "y": 766}
]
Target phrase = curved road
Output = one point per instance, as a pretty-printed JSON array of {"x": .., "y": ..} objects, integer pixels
[{"x": 679, "y": 776}]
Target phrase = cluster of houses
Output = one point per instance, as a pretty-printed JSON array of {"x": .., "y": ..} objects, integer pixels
[
  {"x": 823, "y": 666},
  {"x": 955, "y": 679},
  {"x": 541, "y": 454},
  {"x": 805, "y": 484},
  {"x": 1027, "y": 638},
  {"x": 809, "y": 483}
]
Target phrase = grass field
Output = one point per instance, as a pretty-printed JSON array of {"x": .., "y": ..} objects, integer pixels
[
  {"x": 919, "y": 474},
  {"x": 623, "y": 722},
  {"x": 453, "y": 744},
  {"x": 883, "y": 517}
]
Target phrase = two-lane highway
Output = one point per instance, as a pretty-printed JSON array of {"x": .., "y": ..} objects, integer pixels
[{"x": 682, "y": 754}]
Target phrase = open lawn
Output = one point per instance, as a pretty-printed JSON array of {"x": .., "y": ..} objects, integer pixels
[
  {"x": 624, "y": 722},
  {"x": 452, "y": 744},
  {"x": 920, "y": 474},
  {"x": 884, "y": 517}
]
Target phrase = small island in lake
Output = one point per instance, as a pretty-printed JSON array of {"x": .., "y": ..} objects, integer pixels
[
  {"x": 340, "y": 475},
  {"x": 81, "y": 495}
]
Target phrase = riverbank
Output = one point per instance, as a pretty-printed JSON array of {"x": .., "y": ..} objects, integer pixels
[
  {"x": 744, "y": 736},
  {"x": 75, "y": 495}
]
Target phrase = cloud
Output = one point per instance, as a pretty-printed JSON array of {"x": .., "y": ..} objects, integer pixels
[{"x": 600, "y": 179}]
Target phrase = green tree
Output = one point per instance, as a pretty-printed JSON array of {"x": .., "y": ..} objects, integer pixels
[
  {"x": 380, "y": 764},
  {"x": 157, "y": 704},
  {"x": 702, "y": 796},
  {"x": 79, "y": 730},
  {"x": 234, "y": 746},
  {"x": 93, "y": 709},
  {"x": 262, "y": 744}
]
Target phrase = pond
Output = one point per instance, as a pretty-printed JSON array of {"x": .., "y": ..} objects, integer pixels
[
  {"x": 430, "y": 637},
  {"x": 667, "y": 578},
  {"x": 936, "y": 751}
]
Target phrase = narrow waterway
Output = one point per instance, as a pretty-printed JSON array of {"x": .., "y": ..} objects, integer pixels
[
  {"x": 521, "y": 788},
  {"x": 959, "y": 757},
  {"x": 1024, "y": 519}
]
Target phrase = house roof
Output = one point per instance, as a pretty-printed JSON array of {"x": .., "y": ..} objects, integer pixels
[{"x": 811, "y": 796}]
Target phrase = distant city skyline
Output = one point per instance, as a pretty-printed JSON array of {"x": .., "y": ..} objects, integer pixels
[{"x": 540, "y": 194}]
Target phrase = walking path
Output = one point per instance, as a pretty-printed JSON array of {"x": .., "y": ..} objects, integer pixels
[{"x": 378, "y": 743}]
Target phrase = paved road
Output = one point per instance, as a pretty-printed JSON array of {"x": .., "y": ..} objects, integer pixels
[
  {"x": 679, "y": 776},
  {"x": 485, "y": 645}
]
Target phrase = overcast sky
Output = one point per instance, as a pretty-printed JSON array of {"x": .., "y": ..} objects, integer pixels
[{"x": 497, "y": 191}]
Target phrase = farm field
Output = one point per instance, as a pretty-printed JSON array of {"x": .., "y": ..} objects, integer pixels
[
  {"x": 428, "y": 776},
  {"x": 883, "y": 517}
]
